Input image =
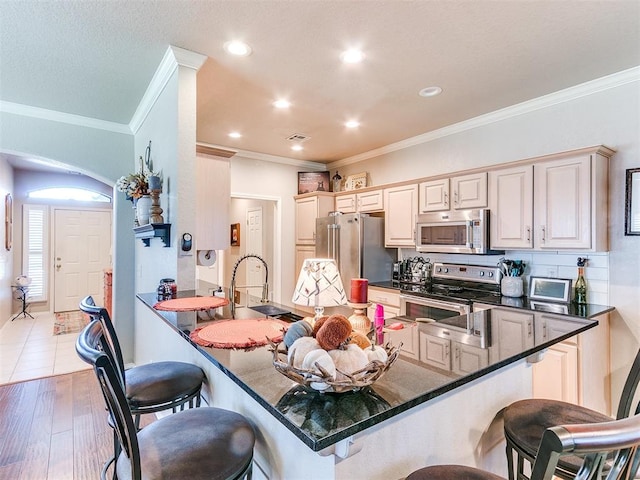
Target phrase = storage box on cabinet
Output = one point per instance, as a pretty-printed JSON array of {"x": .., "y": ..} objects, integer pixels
[
  {"x": 363, "y": 202},
  {"x": 557, "y": 204},
  {"x": 468, "y": 191}
]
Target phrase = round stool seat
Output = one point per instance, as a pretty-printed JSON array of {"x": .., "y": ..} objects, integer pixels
[
  {"x": 526, "y": 420},
  {"x": 154, "y": 384},
  {"x": 199, "y": 443},
  {"x": 451, "y": 472}
]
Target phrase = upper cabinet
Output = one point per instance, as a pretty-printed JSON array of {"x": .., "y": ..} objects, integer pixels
[
  {"x": 363, "y": 202},
  {"x": 557, "y": 204},
  {"x": 401, "y": 208},
  {"x": 308, "y": 208},
  {"x": 458, "y": 193},
  {"x": 212, "y": 202}
]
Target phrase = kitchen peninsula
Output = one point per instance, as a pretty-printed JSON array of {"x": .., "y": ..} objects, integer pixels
[{"x": 414, "y": 415}]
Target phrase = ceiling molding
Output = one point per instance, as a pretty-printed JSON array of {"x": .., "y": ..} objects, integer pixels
[
  {"x": 265, "y": 157},
  {"x": 582, "y": 90},
  {"x": 68, "y": 118},
  {"x": 173, "y": 58},
  {"x": 218, "y": 152}
]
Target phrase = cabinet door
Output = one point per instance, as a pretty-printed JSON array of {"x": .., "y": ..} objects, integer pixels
[
  {"x": 302, "y": 253},
  {"x": 434, "y": 195},
  {"x": 435, "y": 351},
  {"x": 370, "y": 201},
  {"x": 346, "y": 203},
  {"x": 512, "y": 332},
  {"x": 401, "y": 207},
  {"x": 389, "y": 311},
  {"x": 470, "y": 191},
  {"x": 386, "y": 296},
  {"x": 306, "y": 214},
  {"x": 556, "y": 375},
  {"x": 213, "y": 194},
  {"x": 562, "y": 203},
  {"x": 511, "y": 207},
  {"x": 468, "y": 359},
  {"x": 409, "y": 338}
]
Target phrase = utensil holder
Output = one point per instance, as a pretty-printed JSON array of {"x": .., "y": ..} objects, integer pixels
[{"x": 511, "y": 286}]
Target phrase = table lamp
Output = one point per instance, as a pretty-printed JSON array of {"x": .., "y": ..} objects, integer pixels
[{"x": 319, "y": 285}]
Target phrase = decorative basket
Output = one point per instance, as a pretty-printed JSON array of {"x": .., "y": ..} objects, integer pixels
[{"x": 355, "y": 381}]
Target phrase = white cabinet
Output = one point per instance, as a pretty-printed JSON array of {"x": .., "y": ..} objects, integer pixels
[
  {"x": 556, "y": 376},
  {"x": 302, "y": 253},
  {"x": 512, "y": 332},
  {"x": 388, "y": 298},
  {"x": 401, "y": 207},
  {"x": 213, "y": 196},
  {"x": 511, "y": 207},
  {"x": 363, "y": 202},
  {"x": 555, "y": 204},
  {"x": 308, "y": 208},
  {"x": 468, "y": 191},
  {"x": 408, "y": 336},
  {"x": 450, "y": 355},
  {"x": 435, "y": 351}
]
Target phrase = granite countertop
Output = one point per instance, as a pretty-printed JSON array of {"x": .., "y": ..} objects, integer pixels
[
  {"x": 590, "y": 310},
  {"x": 321, "y": 420}
]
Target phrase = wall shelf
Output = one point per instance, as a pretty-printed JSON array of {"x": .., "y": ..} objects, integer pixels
[{"x": 151, "y": 230}]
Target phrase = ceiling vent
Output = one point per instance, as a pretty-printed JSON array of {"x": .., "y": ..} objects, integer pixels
[{"x": 298, "y": 137}]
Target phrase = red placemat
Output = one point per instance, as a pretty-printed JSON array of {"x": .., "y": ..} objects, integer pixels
[
  {"x": 191, "y": 303},
  {"x": 242, "y": 333}
]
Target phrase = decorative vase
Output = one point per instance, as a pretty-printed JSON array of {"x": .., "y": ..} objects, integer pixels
[{"x": 142, "y": 209}]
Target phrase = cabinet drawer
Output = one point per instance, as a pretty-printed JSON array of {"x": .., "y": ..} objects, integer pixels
[{"x": 385, "y": 296}]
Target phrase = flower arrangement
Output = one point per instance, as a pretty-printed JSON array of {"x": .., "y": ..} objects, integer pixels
[{"x": 135, "y": 185}]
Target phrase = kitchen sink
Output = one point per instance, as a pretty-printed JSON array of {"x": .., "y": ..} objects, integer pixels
[{"x": 269, "y": 310}]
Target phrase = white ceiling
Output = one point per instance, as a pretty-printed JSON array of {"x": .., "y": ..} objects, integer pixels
[{"x": 96, "y": 59}]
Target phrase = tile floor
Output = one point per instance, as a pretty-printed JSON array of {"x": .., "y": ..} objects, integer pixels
[{"x": 29, "y": 350}]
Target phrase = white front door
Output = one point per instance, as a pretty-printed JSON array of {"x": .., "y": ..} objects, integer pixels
[
  {"x": 255, "y": 269},
  {"x": 82, "y": 250}
]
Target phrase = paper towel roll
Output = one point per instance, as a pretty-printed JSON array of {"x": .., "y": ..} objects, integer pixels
[{"x": 206, "y": 258}]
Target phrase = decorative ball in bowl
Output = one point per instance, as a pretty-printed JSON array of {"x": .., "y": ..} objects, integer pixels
[{"x": 333, "y": 357}]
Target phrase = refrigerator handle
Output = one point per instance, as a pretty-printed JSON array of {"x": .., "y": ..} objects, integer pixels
[{"x": 333, "y": 243}]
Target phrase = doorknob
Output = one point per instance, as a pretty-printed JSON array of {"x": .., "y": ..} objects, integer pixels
[{"x": 58, "y": 266}]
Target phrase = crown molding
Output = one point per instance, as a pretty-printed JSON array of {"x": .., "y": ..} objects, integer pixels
[
  {"x": 582, "y": 90},
  {"x": 61, "y": 117},
  {"x": 265, "y": 157},
  {"x": 173, "y": 58}
]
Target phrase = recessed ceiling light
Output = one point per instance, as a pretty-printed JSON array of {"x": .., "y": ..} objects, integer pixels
[
  {"x": 352, "y": 124},
  {"x": 352, "y": 56},
  {"x": 282, "y": 103},
  {"x": 297, "y": 148},
  {"x": 235, "y": 134},
  {"x": 238, "y": 48},
  {"x": 430, "y": 92}
]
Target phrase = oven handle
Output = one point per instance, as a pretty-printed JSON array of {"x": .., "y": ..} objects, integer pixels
[{"x": 428, "y": 302}]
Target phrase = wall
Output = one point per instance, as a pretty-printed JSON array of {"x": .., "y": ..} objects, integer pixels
[
  {"x": 6, "y": 257},
  {"x": 610, "y": 117}
]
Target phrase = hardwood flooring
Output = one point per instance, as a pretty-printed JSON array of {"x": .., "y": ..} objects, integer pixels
[{"x": 54, "y": 428}]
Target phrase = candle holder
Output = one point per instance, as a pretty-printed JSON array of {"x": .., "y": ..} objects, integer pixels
[
  {"x": 359, "y": 320},
  {"x": 155, "y": 212}
]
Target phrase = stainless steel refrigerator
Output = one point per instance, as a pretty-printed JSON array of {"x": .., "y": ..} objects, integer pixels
[{"x": 356, "y": 242}]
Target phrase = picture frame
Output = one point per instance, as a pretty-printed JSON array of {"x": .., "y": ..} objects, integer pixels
[
  {"x": 356, "y": 181},
  {"x": 8, "y": 221},
  {"x": 235, "y": 234},
  {"x": 632, "y": 202},
  {"x": 550, "y": 289},
  {"x": 313, "y": 182}
]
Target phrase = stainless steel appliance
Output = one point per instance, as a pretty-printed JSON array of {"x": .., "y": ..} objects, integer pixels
[
  {"x": 412, "y": 270},
  {"x": 356, "y": 242},
  {"x": 443, "y": 305},
  {"x": 456, "y": 231}
]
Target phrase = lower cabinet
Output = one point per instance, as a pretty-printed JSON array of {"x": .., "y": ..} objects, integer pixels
[
  {"x": 556, "y": 376},
  {"x": 452, "y": 356}
]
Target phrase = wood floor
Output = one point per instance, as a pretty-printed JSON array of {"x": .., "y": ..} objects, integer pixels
[{"x": 54, "y": 428}]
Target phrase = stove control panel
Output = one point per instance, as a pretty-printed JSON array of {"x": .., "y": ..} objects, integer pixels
[{"x": 472, "y": 273}]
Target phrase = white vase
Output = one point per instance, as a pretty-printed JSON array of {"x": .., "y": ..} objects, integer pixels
[{"x": 142, "y": 209}]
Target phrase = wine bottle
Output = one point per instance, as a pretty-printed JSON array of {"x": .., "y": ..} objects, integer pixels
[{"x": 580, "y": 293}]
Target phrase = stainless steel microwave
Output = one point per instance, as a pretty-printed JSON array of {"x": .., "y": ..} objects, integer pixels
[{"x": 455, "y": 231}]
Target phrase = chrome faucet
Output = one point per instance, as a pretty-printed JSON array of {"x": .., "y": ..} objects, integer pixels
[{"x": 265, "y": 286}]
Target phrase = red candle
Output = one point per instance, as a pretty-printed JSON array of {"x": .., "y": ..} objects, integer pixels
[{"x": 359, "y": 292}]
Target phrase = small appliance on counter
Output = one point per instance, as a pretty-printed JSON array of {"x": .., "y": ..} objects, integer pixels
[{"x": 416, "y": 270}]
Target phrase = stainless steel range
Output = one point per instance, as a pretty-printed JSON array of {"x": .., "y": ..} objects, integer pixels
[{"x": 443, "y": 304}]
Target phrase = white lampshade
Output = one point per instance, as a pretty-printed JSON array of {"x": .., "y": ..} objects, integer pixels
[{"x": 319, "y": 285}]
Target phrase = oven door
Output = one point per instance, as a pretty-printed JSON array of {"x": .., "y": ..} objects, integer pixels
[{"x": 423, "y": 309}]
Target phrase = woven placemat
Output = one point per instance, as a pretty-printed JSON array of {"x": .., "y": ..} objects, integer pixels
[
  {"x": 189, "y": 304},
  {"x": 242, "y": 333}
]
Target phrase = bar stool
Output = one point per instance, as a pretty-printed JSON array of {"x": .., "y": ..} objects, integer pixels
[
  {"x": 198, "y": 443},
  {"x": 594, "y": 442},
  {"x": 525, "y": 422}
]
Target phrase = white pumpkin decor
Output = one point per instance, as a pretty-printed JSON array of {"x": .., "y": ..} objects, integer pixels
[
  {"x": 300, "y": 348},
  {"x": 322, "y": 358},
  {"x": 376, "y": 353},
  {"x": 348, "y": 360}
]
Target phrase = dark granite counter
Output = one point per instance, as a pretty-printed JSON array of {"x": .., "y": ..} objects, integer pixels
[
  {"x": 589, "y": 310},
  {"x": 321, "y": 420}
]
